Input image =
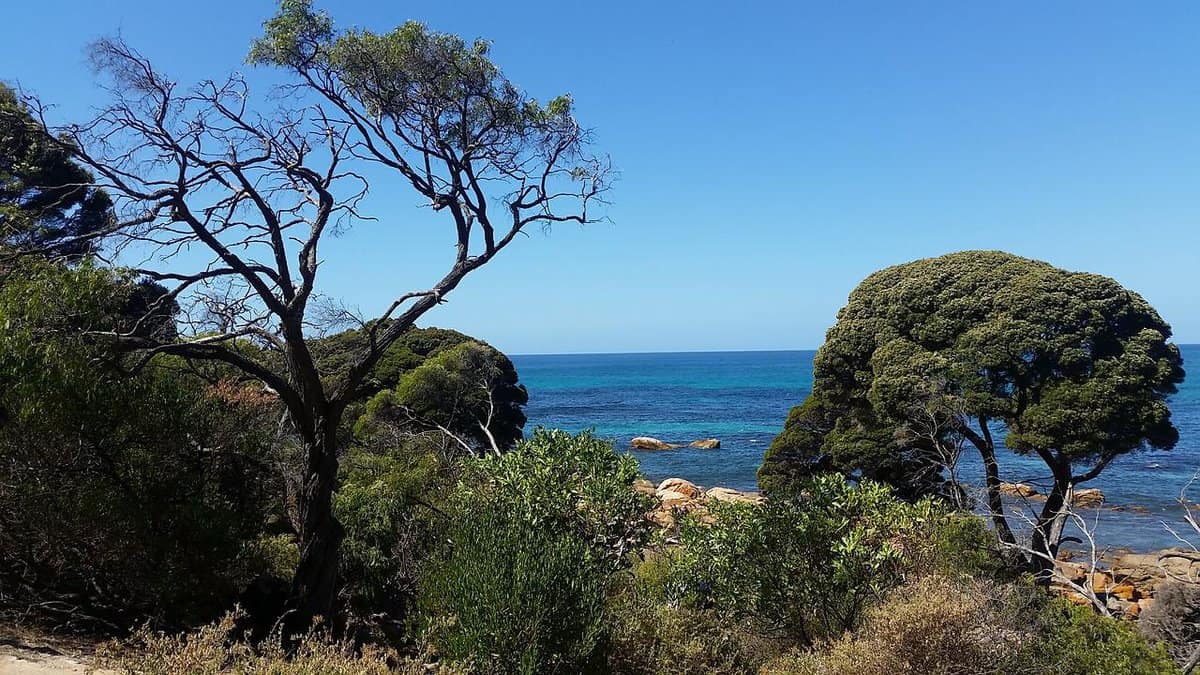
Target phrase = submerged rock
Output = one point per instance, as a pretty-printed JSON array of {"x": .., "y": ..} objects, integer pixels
[
  {"x": 706, "y": 444},
  {"x": 649, "y": 443}
]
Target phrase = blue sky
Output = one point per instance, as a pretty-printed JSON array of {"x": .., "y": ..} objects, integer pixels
[{"x": 771, "y": 155}]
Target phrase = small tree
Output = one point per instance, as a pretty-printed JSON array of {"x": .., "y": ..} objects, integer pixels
[
  {"x": 1076, "y": 368},
  {"x": 199, "y": 170}
]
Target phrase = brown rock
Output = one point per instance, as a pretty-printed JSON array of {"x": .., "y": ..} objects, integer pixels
[
  {"x": 1088, "y": 499},
  {"x": 1018, "y": 490},
  {"x": 671, "y": 499},
  {"x": 1073, "y": 572},
  {"x": 1125, "y": 591},
  {"x": 706, "y": 444},
  {"x": 686, "y": 488},
  {"x": 648, "y": 443},
  {"x": 1076, "y": 598},
  {"x": 664, "y": 519},
  {"x": 1101, "y": 582}
]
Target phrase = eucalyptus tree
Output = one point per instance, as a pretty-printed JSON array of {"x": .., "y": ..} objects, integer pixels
[
  {"x": 229, "y": 203},
  {"x": 1075, "y": 368}
]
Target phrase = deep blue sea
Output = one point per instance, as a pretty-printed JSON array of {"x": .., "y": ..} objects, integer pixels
[{"x": 743, "y": 398}]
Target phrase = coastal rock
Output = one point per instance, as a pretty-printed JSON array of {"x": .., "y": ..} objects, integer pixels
[
  {"x": 1018, "y": 490},
  {"x": 662, "y": 518},
  {"x": 670, "y": 499},
  {"x": 1101, "y": 582},
  {"x": 649, "y": 443},
  {"x": 1073, "y": 572},
  {"x": 1088, "y": 499},
  {"x": 1125, "y": 591},
  {"x": 645, "y": 487},
  {"x": 721, "y": 494},
  {"x": 706, "y": 444},
  {"x": 680, "y": 486}
]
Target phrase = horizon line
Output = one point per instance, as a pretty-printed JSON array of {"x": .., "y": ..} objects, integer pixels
[{"x": 712, "y": 351}]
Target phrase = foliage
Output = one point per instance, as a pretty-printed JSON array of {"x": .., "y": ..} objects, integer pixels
[
  {"x": 388, "y": 504},
  {"x": 941, "y": 627},
  {"x": 44, "y": 195},
  {"x": 132, "y": 496},
  {"x": 934, "y": 627},
  {"x": 650, "y": 633},
  {"x": 805, "y": 564},
  {"x": 213, "y": 650},
  {"x": 1074, "y": 366},
  {"x": 422, "y": 79},
  {"x": 532, "y": 538},
  {"x": 1080, "y": 642},
  {"x": 468, "y": 391}
]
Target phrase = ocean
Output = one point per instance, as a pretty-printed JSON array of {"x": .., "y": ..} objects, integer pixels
[{"x": 743, "y": 398}]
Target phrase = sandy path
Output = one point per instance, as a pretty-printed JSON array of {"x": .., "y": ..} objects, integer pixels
[{"x": 17, "y": 660}]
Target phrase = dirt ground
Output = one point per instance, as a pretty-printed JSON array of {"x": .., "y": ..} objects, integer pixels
[{"x": 26, "y": 653}]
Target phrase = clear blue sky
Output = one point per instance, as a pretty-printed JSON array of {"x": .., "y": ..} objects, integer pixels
[{"x": 771, "y": 154}]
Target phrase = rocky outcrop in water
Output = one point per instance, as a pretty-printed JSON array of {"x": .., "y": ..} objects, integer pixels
[{"x": 650, "y": 443}]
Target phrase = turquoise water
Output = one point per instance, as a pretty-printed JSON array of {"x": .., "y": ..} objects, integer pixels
[{"x": 743, "y": 398}]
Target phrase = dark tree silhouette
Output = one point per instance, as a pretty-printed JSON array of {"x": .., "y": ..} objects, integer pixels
[{"x": 47, "y": 200}]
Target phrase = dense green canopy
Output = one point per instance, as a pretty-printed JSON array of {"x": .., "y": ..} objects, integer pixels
[
  {"x": 933, "y": 352},
  {"x": 45, "y": 198}
]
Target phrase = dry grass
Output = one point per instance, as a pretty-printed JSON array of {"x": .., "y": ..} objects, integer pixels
[{"x": 210, "y": 651}]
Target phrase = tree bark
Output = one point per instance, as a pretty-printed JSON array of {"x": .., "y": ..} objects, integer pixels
[
  {"x": 315, "y": 583},
  {"x": 1048, "y": 531},
  {"x": 991, "y": 470}
]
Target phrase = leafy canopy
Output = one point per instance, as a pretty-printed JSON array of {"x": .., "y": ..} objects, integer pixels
[{"x": 1076, "y": 367}]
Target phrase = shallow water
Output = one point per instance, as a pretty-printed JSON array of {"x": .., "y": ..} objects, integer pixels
[{"x": 742, "y": 398}]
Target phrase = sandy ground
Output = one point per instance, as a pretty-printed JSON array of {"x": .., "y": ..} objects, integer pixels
[
  {"x": 19, "y": 656},
  {"x": 17, "y": 661}
]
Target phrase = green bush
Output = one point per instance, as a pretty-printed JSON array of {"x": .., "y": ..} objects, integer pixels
[
  {"x": 533, "y": 538},
  {"x": 1079, "y": 641},
  {"x": 388, "y": 504},
  {"x": 122, "y": 498},
  {"x": 803, "y": 565},
  {"x": 650, "y": 633}
]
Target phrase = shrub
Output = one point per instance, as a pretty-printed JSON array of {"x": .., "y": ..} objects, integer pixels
[
  {"x": 956, "y": 544},
  {"x": 935, "y": 626},
  {"x": 1174, "y": 619},
  {"x": 652, "y": 634},
  {"x": 1077, "y": 641},
  {"x": 532, "y": 539},
  {"x": 940, "y": 626},
  {"x": 388, "y": 505},
  {"x": 212, "y": 650},
  {"x": 121, "y": 497},
  {"x": 802, "y": 565}
]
